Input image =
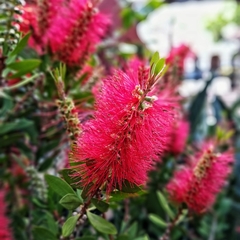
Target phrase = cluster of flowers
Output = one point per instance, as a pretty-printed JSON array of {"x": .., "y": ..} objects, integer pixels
[
  {"x": 69, "y": 30},
  {"x": 137, "y": 117},
  {"x": 135, "y": 123},
  {"x": 175, "y": 60}
]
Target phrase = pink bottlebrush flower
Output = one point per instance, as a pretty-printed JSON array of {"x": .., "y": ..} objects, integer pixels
[
  {"x": 175, "y": 61},
  {"x": 129, "y": 130},
  {"x": 198, "y": 183},
  {"x": 37, "y": 18},
  {"x": 5, "y": 232},
  {"x": 179, "y": 136},
  {"x": 178, "y": 54},
  {"x": 70, "y": 30},
  {"x": 76, "y": 31}
]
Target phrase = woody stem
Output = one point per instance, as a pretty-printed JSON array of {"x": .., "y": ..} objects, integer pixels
[{"x": 166, "y": 235}]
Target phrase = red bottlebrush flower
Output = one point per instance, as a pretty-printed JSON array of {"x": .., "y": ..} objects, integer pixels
[
  {"x": 175, "y": 61},
  {"x": 76, "y": 31},
  {"x": 179, "y": 136},
  {"x": 69, "y": 30},
  {"x": 129, "y": 130},
  {"x": 5, "y": 232},
  {"x": 37, "y": 19},
  {"x": 198, "y": 184}
]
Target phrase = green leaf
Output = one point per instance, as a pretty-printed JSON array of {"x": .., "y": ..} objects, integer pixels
[
  {"x": 100, "y": 205},
  {"x": 23, "y": 67},
  {"x": 18, "y": 125},
  {"x": 132, "y": 230},
  {"x": 51, "y": 224},
  {"x": 41, "y": 233},
  {"x": 79, "y": 194},
  {"x": 72, "y": 181},
  {"x": 6, "y": 104},
  {"x": 69, "y": 225},
  {"x": 157, "y": 220},
  {"x": 101, "y": 224},
  {"x": 165, "y": 205},
  {"x": 154, "y": 59},
  {"x": 182, "y": 216},
  {"x": 118, "y": 195},
  {"x": 129, "y": 187},
  {"x": 159, "y": 66},
  {"x": 123, "y": 237},
  {"x": 23, "y": 82},
  {"x": 70, "y": 201},
  {"x": 145, "y": 237},
  {"x": 58, "y": 185},
  {"x": 21, "y": 45}
]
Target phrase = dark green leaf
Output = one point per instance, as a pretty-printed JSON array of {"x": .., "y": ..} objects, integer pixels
[
  {"x": 145, "y": 237},
  {"x": 79, "y": 194},
  {"x": 6, "y": 104},
  {"x": 51, "y": 224},
  {"x": 58, "y": 185},
  {"x": 69, "y": 225},
  {"x": 18, "y": 125},
  {"x": 118, "y": 195},
  {"x": 47, "y": 163},
  {"x": 86, "y": 191},
  {"x": 129, "y": 187},
  {"x": 123, "y": 237},
  {"x": 41, "y": 233},
  {"x": 101, "y": 224},
  {"x": 21, "y": 45},
  {"x": 100, "y": 205},
  {"x": 67, "y": 175},
  {"x": 23, "y": 67},
  {"x": 164, "y": 204},
  {"x": 70, "y": 201},
  {"x": 157, "y": 220}
]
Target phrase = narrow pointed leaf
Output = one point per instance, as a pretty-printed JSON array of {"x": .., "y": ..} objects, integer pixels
[
  {"x": 58, "y": 185},
  {"x": 183, "y": 216},
  {"x": 154, "y": 58},
  {"x": 165, "y": 205},
  {"x": 23, "y": 67},
  {"x": 69, "y": 226},
  {"x": 101, "y": 224},
  {"x": 159, "y": 66},
  {"x": 21, "y": 45},
  {"x": 157, "y": 220},
  {"x": 132, "y": 230},
  {"x": 145, "y": 237}
]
